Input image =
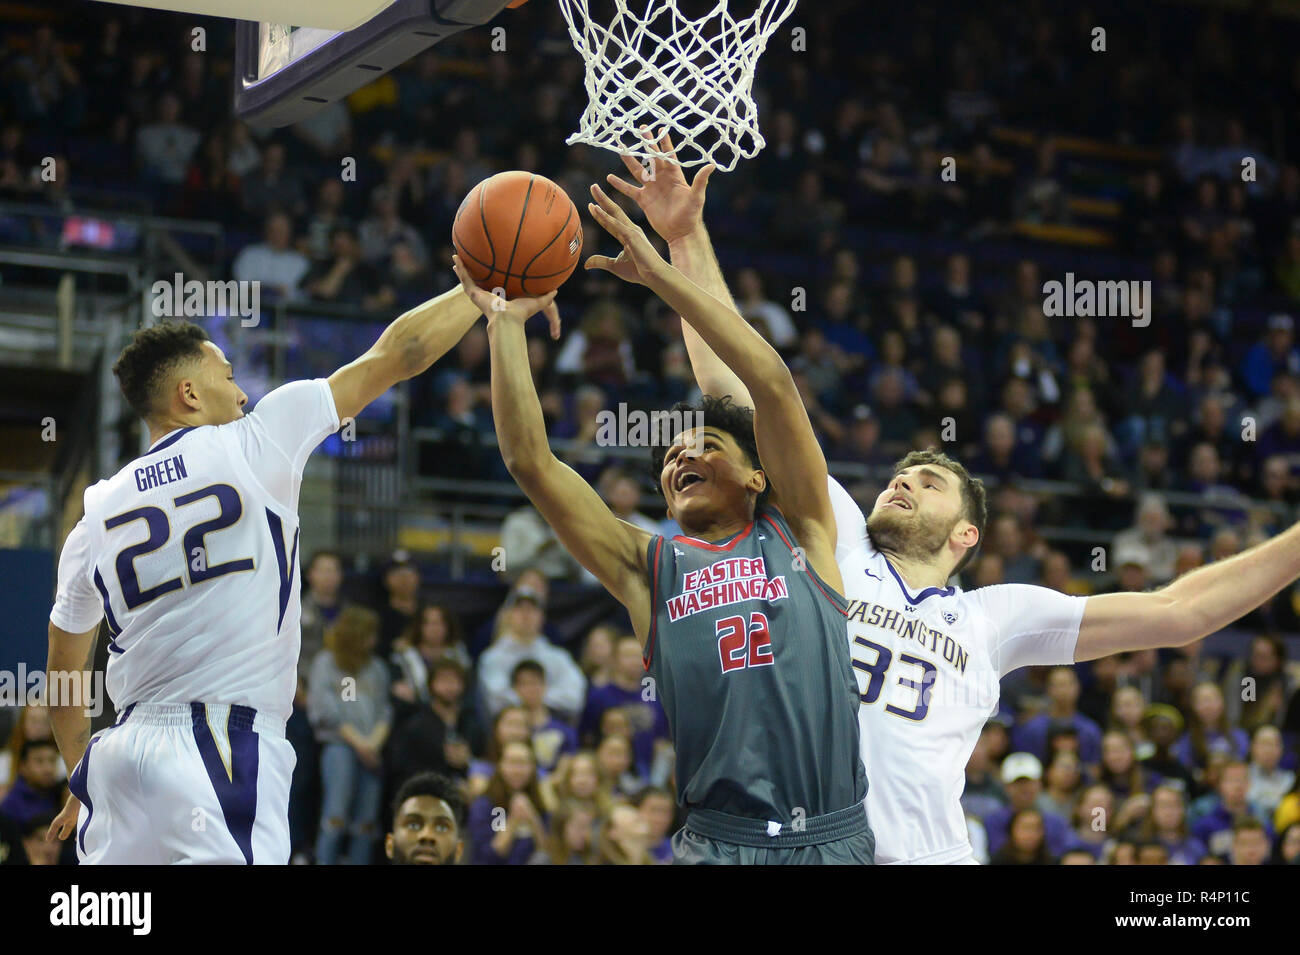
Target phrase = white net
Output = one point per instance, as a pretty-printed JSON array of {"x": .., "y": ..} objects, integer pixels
[{"x": 663, "y": 69}]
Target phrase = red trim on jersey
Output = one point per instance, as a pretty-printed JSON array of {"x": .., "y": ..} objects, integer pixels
[
  {"x": 696, "y": 542},
  {"x": 654, "y": 609},
  {"x": 842, "y": 611}
]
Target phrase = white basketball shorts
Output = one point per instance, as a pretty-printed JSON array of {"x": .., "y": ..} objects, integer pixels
[{"x": 195, "y": 783}]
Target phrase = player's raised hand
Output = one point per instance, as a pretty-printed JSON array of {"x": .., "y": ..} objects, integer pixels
[
  {"x": 65, "y": 823},
  {"x": 673, "y": 207},
  {"x": 638, "y": 262},
  {"x": 496, "y": 306}
]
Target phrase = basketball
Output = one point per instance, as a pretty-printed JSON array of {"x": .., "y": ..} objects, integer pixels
[{"x": 519, "y": 232}]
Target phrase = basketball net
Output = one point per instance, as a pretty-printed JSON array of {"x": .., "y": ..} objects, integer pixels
[{"x": 665, "y": 70}]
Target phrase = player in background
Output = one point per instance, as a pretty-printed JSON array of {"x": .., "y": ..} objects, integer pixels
[
  {"x": 928, "y": 657},
  {"x": 190, "y": 553},
  {"x": 427, "y": 812},
  {"x": 740, "y": 617}
]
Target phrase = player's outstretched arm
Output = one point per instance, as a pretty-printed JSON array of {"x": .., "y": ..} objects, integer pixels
[
  {"x": 787, "y": 445},
  {"x": 675, "y": 210},
  {"x": 413, "y": 342},
  {"x": 613, "y": 550},
  {"x": 1191, "y": 607}
]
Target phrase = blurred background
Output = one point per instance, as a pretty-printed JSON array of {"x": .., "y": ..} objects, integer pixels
[{"x": 909, "y": 304}]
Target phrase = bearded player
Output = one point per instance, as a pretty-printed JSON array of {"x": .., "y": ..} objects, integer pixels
[
  {"x": 190, "y": 554},
  {"x": 740, "y": 616},
  {"x": 927, "y": 656}
]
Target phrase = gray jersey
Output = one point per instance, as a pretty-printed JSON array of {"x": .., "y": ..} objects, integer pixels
[{"x": 747, "y": 650}]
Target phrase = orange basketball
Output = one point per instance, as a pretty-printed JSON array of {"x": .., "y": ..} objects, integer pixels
[{"x": 519, "y": 232}]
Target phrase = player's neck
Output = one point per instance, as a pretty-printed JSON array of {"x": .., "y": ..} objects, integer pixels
[
  {"x": 917, "y": 574},
  {"x": 717, "y": 530},
  {"x": 160, "y": 429}
]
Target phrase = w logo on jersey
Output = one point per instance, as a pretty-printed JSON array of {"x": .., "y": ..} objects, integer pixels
[{"x": 949, "y": 617}]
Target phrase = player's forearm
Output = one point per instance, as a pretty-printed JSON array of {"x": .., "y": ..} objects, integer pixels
[
  {"x": 693, "y": 255},
  {"x": 732, "y": 340},
  {"x": 71, "y": 728},
  {"x": 1218, "y": 594},
  {"x": 516, "y": 410},
  {"x": 419, "y": 337}
]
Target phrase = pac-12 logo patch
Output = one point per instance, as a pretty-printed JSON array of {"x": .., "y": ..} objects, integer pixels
[{"x": 949, "y": 617}]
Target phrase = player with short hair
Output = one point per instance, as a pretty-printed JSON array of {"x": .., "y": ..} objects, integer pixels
[
  {"x": 740, "y": 616},
  {"x": 190, "y": 555},
  {"x": 427, "y": 814},
  {"x": 928, "y": 656}
]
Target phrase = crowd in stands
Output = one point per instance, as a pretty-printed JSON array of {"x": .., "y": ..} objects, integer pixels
[{"x": 909, "y": 306}]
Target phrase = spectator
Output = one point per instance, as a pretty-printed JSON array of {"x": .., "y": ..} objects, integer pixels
[
  {"x": 1127, "y": 707},
  {"x": 521, "y": 639},
  {"x": 983, "y": 793},
  {"x": 321, "y": 605},
  {"x": 1121, "y": 771},
  {"x": 1022, "y": 776},
  {"x": 166, "y": 147},
  {"x": 1256, "y": 690},
  {"x": 618, "y": 773},
  {"x": 1091, "y": 819},
  {"x": 1215, "y": 827},
  {"x": 531, "y": 544},
  {"x": 625, "y": 839},
  {"x": 434, "y": 634},
  {"x": 38, "y": 849},
  {"x": 1062, "y": 783},
  {"x": 1062, "y": 708},
  {"x": 577, "y": 779},
  {"x": 273, "y": 262},
  {"x": 629, "y": 691},
  {"x": 384, "y": 229},
  {"x": 571, "y": 839},
  {"x": 1269, "y": 783},
  {"x": 440, "y": 736},
  {"x": 1167, "y": 825},
  {"x": 1276, "y": 353},
  {"x": 1208, "y": 730},
  {"x": 768, "y": 317},
  {"x": 658, "y": 811},
  {"x": 550, "y": 737},
  {"x": 348, "y": 705},
  {"x": 510, "y": 726},
  {"x": 325, "y": 218},
  {"x": 272, "y": 185},
  {"x": 505, "y": 824},
  {"x": 344, "y": 277},
  {"x": 622, "y": 493},
  {"x": 37, "y": 789},
  {"x": 1250, "y": 843},
  {"x": 597, "y": 659},
  {"x": 428, "y": 813},
  {"x": 1164, "y": 725},
  {"x": 1149, "y": 532},
  {"x": 1286, "y": 847},
  {"x": 401, "y": 583},
  {"x": 1026, "y": 843}
]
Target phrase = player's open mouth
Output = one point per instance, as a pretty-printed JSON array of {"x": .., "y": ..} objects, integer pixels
[
  {"x": 899, "y": 502},
  {"x": 686, "y": 479}
]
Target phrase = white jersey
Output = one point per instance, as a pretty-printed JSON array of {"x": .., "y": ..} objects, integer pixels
[
  {"x": 928, "y": 665},
  {"x": 191, "y": 553}
]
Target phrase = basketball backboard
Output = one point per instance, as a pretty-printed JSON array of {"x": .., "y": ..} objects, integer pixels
[{"x": 284, "y": 72}]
